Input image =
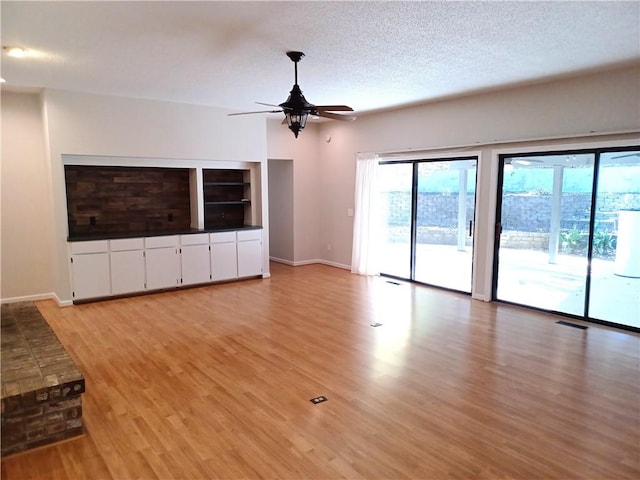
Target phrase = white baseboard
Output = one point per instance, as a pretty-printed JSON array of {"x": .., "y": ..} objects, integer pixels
[
  {"x": 335, "y": 264},
  {"x": 38, "y": 296},
  {"x": 306, "y": 262},
  {"x": 62, "y": 303},
  {"x": 478, "y": 296},
  {"x": 282, "y": 260},
  {"x": 310, "y": 262}
]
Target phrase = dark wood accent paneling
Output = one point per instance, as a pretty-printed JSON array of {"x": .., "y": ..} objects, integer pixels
[
  {"x": 126, "y": 199},
  {"x": 223, "y": 176},
  {"x": 219, "y": 216}
]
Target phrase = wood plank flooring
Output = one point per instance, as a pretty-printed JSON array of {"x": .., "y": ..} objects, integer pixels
[{"x": 215, "y": 382}]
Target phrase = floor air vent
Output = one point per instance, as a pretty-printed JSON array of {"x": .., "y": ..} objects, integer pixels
[{"x": 569, "y": 324}]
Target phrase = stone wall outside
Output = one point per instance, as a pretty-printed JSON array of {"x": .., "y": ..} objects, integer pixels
[
  {"x": 525, "y": 216},
  {"x": 522, "y": 212}
]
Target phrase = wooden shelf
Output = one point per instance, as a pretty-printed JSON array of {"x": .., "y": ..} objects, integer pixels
[
  {"x": 229, "y": 202},
  {"x": 227, "y": 197},
  {"x": 226, "y": 184}
]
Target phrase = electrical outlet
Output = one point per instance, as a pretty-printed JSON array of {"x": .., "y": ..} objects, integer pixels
[{"x": 329, "y": 247}]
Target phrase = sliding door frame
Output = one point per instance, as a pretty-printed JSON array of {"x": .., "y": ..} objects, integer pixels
[
  {"x": 597, "y": 151},
  {"x": 415, "y": 162}
]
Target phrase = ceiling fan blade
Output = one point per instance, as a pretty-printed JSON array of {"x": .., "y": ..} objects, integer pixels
[
  {"x": 335, "y": 108},
  {"x": 267, "y": 104},
  {"x": 271, "y": 105},
  {"x": 625, "y": 156},
  {"x": 336, "y": 116},
  {"x": 249, "y": 113}
]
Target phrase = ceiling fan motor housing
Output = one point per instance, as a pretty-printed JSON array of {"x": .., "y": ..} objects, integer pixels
[{"x": 295, "y": 56}]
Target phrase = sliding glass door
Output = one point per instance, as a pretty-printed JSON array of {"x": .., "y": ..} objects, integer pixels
[
  {"x": 395, "y": 202},
  {"x": 568, "y": 234},
  {"x": 614, "y": 293},
  {"x": 444, "y": 223},
  {"x": 542, "y": 254},
  {"x": 428, "y": 213}
]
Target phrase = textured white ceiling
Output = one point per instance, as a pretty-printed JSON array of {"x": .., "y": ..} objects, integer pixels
[{"x": 369, "y": 55}]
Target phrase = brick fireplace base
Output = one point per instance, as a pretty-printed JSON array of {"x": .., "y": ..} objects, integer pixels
[{"x": 41, "y": 385}]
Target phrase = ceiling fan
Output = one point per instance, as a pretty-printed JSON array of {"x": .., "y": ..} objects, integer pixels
[
  {"x": 632, "y": 154},
  {"x": 296, "y": 109}
]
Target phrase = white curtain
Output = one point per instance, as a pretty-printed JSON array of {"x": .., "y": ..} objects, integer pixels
[{"x": 366, "y": 231}]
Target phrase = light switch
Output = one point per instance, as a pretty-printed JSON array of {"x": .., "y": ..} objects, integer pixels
[{"x": 349, "y": 212}]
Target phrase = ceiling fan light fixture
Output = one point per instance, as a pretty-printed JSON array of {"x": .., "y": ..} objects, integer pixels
[
  {"x": 296, "y": 121},
  {"x": 296, "y": 109}
]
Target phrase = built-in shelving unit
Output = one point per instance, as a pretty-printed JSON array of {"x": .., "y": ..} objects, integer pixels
[
  {"x": 141, "y": 225},
  {"x": 133, "y": 200},
  {"x": 227, "y": 197}
]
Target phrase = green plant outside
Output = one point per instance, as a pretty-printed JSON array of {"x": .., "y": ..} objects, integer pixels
[{"x": 574, "y": 241}]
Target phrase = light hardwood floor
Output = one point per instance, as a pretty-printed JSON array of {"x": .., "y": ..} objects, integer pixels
[{"x": 215, "y": 382}]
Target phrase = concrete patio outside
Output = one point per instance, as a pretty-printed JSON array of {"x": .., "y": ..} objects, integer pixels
[{"x": 526, "y": 277}]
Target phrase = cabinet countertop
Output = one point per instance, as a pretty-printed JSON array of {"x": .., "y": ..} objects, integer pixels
[{"x": 114, "y": 236}]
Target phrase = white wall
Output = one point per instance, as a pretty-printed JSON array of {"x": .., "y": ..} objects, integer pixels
[
  {"x": 597, "y": 103},
  {"x": 281, "y": 225},
  {"x": 26, "y": 242},
  {"x": 323, "y": 156},
  {"x": 82, "y": 124},
  {"x": 86, "y": 124},
  {"x": 600, "y": 103},
  {"x": 307, "y": 189}
]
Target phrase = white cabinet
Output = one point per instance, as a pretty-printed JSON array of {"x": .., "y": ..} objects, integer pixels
[
  {"x": 236, "y": 254},
  {"x": 224, "y": 256},
  {"x": 103, "y": 268},
  {"x": 249, "y": 253},
  {"x": 90, "y": 269},
  {"x": 162, "y": 262},
  {"x": 127, "y": 265},
  {"x": 194, "y": 259}
]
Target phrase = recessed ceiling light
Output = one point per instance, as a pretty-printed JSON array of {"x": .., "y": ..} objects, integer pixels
[{"x": 16, "y": 52}]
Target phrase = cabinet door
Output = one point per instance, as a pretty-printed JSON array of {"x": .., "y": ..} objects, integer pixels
[
  {"x": 163, "y": 268},
  {"x": 127, "y": 272},
  {"x": 196, "y": 265},
  {"x": 90, "y": 274},
  {"x": 249, "y": 258},
  {"x": 224, "y": 263}
]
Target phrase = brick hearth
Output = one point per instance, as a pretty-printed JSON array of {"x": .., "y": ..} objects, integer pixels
[{"x": 41, "y": 385}]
